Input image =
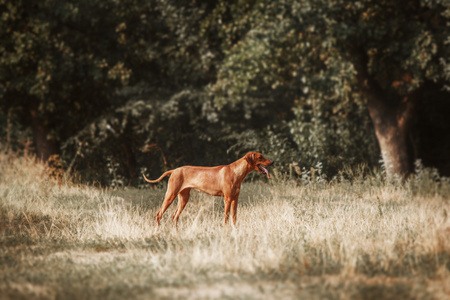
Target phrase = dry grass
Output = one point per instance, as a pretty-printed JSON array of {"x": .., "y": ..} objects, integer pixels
[{"x": 359, "y": 239}]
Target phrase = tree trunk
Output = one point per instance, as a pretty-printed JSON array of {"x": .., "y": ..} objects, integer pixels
[
  {"x": 44, "y": 147},
  {"x": 393, "y": 130},
  {"x": 392, "y": 119}
]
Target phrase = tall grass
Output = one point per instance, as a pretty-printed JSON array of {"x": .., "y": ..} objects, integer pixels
[{"x": 354, "y": 237}]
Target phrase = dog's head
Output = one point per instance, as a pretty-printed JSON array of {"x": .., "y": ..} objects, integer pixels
[{"x": 257, "y": 161}]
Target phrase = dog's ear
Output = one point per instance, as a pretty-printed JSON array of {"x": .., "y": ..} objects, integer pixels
[{"x": 250, "y": 158}]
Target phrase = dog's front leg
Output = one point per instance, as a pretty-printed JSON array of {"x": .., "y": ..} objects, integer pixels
[
  {"x": 234, "y": 203},
  {"x": 227, "y": 205}
]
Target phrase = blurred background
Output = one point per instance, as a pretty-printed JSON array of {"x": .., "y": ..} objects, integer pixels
[{"x": 109, "y": 89}]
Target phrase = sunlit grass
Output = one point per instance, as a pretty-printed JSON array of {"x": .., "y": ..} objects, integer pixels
[{"x": 362, "y": 238}]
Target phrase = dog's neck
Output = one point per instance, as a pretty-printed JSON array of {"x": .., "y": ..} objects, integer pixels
[{"x": 242, "y": 169}]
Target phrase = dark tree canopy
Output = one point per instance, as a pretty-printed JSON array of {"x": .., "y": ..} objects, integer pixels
[{"x": 121, "y": 87}]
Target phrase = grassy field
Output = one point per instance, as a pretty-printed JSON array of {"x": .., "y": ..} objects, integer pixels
[{"x": 346, "y": 239}]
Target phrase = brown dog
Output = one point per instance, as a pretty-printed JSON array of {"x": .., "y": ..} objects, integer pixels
[{"x": 224, "y": 181}]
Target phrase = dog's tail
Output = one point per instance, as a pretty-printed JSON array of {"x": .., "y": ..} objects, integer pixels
[{"x": 159, "y": 179}]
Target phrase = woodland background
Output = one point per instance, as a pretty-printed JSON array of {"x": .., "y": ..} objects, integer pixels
[{"x": 118, "y": 88}]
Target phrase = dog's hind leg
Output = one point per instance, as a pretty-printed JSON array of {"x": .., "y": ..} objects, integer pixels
[
  {"x": 183, "y": 198},
  {"x": 168, "y": 199}
]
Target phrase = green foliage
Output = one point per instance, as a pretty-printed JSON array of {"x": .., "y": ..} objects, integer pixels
[
  {"x": 306, "y": 55},
  {"x": 131, "y": 86},
  {"x": 162, "y": 132},
  {"x": 56, "y": 57}
]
